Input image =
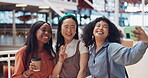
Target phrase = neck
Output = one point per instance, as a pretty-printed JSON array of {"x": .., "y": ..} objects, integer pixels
[
  {"x": 68, "y": 41},
  {"x": 99, "y": 43},
  {"x": 40, "y": 47}
]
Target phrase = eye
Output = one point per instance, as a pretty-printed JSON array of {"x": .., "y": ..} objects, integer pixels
[
  {"x": 73, "y": 26},
  {"x": 65, "y": 26},
  {"x": 43, "y": 30},
  {"x": 98, "y": 26},
  {"x": 105, "y": 26}
]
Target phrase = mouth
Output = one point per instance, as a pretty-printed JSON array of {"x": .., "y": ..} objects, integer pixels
[
  {"x": 46, "y": 37},
  {"x": 68, "y": 34},
  {"x": 100, "y": 32}
]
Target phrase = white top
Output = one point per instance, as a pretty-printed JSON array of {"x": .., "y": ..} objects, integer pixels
[{"x": 72, "y": 46}]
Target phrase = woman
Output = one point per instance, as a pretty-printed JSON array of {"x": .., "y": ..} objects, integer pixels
[
  {"x": 39, "y": 44},
  {"x": 73, "y": 55},
  {"x": 108, "y": 57}
]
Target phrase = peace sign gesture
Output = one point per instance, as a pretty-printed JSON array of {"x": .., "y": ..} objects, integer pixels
[{"x": 62, "y": 54}]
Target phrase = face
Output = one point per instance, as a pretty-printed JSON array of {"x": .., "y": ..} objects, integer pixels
[
  {"x": 68, "y": 29},
  {"x": 101, "y": 30},
  {"x": 43, "y": 34}
]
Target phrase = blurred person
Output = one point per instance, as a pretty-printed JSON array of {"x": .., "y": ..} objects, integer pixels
[
  {"x": 108, "y": 57},
  {"x": 73, "y": 55},
  {"x": 38, "y": 44}
]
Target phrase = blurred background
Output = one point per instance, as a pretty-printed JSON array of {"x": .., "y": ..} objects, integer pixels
[{"x": 16, "y": 17}]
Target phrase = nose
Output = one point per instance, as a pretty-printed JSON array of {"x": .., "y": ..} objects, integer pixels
[
  {"x": 69, "y": 29},
  {"x": 101, "y": 27},
  {"x": 46, "y": 32}
]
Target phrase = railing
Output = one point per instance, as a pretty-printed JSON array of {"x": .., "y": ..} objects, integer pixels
[{"x": 8, "y": 59}]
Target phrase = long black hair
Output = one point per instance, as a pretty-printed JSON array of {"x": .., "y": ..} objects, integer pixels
[
  {"x": 32, "y": 46},
  {"x": 114, "y": 34},
  {"x": 60, "y": 38}
]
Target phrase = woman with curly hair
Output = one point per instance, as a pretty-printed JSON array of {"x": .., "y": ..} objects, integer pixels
[{"x": 108, "y": 57}]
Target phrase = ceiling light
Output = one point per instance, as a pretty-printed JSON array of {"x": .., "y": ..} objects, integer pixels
[
  {"x": 21, "y": 5},
  {"x": 43, "y": 7}
]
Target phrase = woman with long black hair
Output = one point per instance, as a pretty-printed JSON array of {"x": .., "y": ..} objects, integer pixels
[{"x": 39, "y": 44}]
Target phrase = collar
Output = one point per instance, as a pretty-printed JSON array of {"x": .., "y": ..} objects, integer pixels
[
  {"x": 72, "y": 42},
  {"x": 104, "y": 45}
]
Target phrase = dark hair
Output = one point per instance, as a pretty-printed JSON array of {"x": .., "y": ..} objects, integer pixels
[
  {"x": 60, "y": 38},
  {"x": 114, "y": 34},
  {"x": 32, "y": 46}
]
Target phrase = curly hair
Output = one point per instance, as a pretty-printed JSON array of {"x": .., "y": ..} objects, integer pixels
[{"x": 115, "y": 34}]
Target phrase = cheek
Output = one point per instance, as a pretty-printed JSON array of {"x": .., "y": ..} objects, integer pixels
[
  {"x": 73, "y": 30},
  {"x": 94, "y": 31},
  {"x": 62, "y": 32},
  {"x": 107, "y": 32},
  {"x": 50, "y": 35}
]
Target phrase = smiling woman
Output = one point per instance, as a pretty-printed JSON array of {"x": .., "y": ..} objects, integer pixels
[
  {"x": 72, "y": 54},
  {"x": 39, "y": 44}
]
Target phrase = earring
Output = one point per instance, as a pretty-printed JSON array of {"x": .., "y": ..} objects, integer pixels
[{"x": 92, "y": 37}]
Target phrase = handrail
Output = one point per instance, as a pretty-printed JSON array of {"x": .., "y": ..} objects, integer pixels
[
  {"x": 8, "y": 58},
  {"x": 8, "y": 52}
]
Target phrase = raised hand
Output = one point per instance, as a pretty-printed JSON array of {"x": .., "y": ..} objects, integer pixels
[
  {"x": 62, "y": 54},
  {"x": 140, "y": 34}
]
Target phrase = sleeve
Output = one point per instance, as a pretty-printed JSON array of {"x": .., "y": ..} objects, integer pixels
[
  {"x": 83, "y": 48},
  {"x": 127, "y": 56},
  {"x": 19, "y": 64}
]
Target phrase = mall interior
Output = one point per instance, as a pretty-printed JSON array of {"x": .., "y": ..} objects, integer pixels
[{"x": 16, "y": 17}]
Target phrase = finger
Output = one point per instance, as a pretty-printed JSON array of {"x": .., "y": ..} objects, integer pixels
[
  {"x": 136, "y": 39},
  {"x": 66, "y": 55},
  {"x": 66, "y": 44},
  {"x": 30, "y": 68},
  {"x": 139, "y": 28},
  {"x": 31, "y": 64},
  {"x": 62, "y": 48},
  {"x": 136, "y": 31}
]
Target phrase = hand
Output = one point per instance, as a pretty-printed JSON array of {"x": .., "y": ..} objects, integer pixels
[
  {"x": 32, "y": 67},
  {"x": 62, "y": 54},
  {"x": 30, "y": 70},
  {"x": 140, "y": 34}
]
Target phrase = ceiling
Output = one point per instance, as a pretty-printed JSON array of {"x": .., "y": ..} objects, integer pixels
[
  {"x": 6, "y": 6},
  {"x": 11, "y": 6},
  {"x": 135, "y": 1}
]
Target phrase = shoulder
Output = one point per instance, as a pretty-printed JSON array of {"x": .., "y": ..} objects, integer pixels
[
  {"x": 83, "y": 48},
  {"x": 113, "y": 45},
  {"x": 21, "y": 51}
]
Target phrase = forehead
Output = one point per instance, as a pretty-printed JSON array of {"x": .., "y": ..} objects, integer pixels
[
  {"x": 101, "y": 22},
  {"x": 45, "y": 25},
  {"x": 69, "y": 21}
]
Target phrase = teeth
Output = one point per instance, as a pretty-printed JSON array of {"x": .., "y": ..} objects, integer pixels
[
  {"x": 69, "y": 34},
  {"x": 100, "y": 32},
  {"x": 46, "y": 37}
]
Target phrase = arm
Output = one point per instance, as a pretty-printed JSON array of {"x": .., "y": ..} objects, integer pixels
[
  {"x": 57, "y": 69},
  {"x": 19, "y": 65},
  {"x": 83, "y": 65},
  {"x": 19, "y": 70},
  {"x": 127, "y": 56},
  {"x": 58, "y": 66}
]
